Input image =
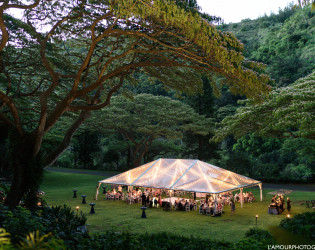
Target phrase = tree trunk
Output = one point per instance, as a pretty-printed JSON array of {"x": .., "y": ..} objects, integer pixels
[
  {"x": 24, "y": 165},
  {"x": 53, "y": 156}
]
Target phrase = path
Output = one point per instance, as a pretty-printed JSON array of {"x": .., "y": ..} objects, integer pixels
[
  {"x": 295, "y": 187},
  {"x": 79, "y": 171}
]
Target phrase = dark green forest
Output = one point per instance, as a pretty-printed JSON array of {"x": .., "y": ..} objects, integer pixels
[{"x": 285, "y": 42}]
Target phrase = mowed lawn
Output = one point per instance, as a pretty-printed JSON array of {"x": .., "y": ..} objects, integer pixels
[{"x": 121, "y": 216}]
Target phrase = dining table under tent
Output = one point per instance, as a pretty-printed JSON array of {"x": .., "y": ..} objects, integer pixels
[{"x": 183, "y": 175}]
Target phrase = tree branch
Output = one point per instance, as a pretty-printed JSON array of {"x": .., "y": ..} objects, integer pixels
[{"x": 53, "y": 156}]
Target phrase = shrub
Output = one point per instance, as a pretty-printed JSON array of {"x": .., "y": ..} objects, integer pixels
[
  {"x": 19, "y": 222},
  {"x": 59, "y": 220},
  {"x": 64, "y": 224},
  {"x": 125, "y": 240},
  {"x": 301, "y": 224},
  {"x": 37, "y": 241},
  {"x": 296, "y": 173},
  {"x": 261, "y": 236}
]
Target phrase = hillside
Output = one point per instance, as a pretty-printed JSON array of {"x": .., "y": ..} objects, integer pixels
[{"x": 285, "y": 42}]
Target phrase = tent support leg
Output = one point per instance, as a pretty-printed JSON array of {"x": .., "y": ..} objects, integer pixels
[
  {"x": 241, "y": 197},
  {"x": 260, "y": 187},
  {"x": 215, "y": 204}
]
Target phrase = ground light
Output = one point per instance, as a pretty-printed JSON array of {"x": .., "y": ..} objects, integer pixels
[
  {"x": 288, "y": 216},
  {"x": 77, "y": 208},
  {"x": 256, "y": 219}
]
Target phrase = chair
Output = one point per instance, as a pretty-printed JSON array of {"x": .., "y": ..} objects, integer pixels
[
  {"x": 200, "y": 210},
  {"x": 250, "y": 200},
  {"x": 195, "y": 207},
  {"x": 187, "y": 208},
  {"x": 117, "y": 197},
  {"x": 208, "y": 211},
  {"x": 112, "y": 197}
]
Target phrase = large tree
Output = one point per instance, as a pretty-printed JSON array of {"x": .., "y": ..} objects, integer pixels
[
  {"x": 147, "y": 118},
  {"x": 287, "y": 112},
  {"x": 73, "y": 55}
]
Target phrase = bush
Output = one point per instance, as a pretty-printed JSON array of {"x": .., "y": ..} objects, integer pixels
[
  {"x": 125, "y": 240},
  {"x": 301, "y": 224},
  {"x": 19, "y": 222},
  {"x": 60, "y": 220},
  {"x": 261, "y": 236},
  {"x": 64, "y": 224},
  {"x": 296, "y": 173}
]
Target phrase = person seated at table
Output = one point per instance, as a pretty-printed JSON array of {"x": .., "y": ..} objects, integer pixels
[
  {"x": 191, "y": 205},
  {"x": 160, "y": 201},
  {"x": 206, "y": 205},
  {"x": 219, "y": 207},
  {"x": 187, "y": 203}
]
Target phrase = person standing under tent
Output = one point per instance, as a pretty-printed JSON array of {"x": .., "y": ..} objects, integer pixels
[
  {"x": 119, "y": 189},
  {"x": 143, "y": 197},
  {"x": 232, "y": 204},
  {"x": 288, "y": 204}
]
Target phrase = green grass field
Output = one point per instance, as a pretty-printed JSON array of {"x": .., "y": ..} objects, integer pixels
[{"x": 58, "y": 188}]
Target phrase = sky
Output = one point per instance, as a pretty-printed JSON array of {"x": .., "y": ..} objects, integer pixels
[
  {"x": 236, "y": 10},
  {"x": 233, "y": 10}
]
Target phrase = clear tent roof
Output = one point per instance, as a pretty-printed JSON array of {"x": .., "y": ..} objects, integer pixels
[{"x": 182, "y": 174}]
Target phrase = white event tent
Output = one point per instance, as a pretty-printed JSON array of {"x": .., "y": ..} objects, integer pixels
[{"x": 184, "y": 175}]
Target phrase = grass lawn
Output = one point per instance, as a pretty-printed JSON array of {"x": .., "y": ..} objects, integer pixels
[{"x": 58, "y": 188}]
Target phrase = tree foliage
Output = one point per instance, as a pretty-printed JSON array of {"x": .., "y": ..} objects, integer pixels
[
  {"x": 286, "y": 112},
  {"x": 147, "y": 118},
  {"x": 73, "y": 56}
]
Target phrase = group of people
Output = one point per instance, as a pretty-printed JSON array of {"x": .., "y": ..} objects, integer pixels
[
  {"x": 279, "y": 203},
  {"x": 185, "y": 204},
  {"x": 152, "y": 198},
  {"x": 246, "y": 197}
]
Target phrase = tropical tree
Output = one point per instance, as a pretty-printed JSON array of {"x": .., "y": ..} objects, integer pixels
[
  {"x": 74, "y": 55},
  {"x": 286, "y": 112},
  {"x": 147, "y": 118}
]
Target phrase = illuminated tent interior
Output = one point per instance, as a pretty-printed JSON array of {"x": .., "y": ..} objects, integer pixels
[{"x": 184, "y": 175}]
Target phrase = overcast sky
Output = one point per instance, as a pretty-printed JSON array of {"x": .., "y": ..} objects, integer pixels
[
  {"x": 236, "y": 10},
  {"x": 233, "y": 10}
]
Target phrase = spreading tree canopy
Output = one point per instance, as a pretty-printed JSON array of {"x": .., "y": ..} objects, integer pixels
[
  {"x": 147, "y": 118},
  {"x": 73, "y": 55},
  {"x": 286, "y": 112}
]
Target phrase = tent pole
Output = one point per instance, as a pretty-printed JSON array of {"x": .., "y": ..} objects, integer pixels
[
  {"x": 241, "y": 197},
  {"x": 170, "y": 198},
  {"x": 215, "y": 203},
  {"x": 98, "y": 186},
  {"x": 260, "y": 187}
]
